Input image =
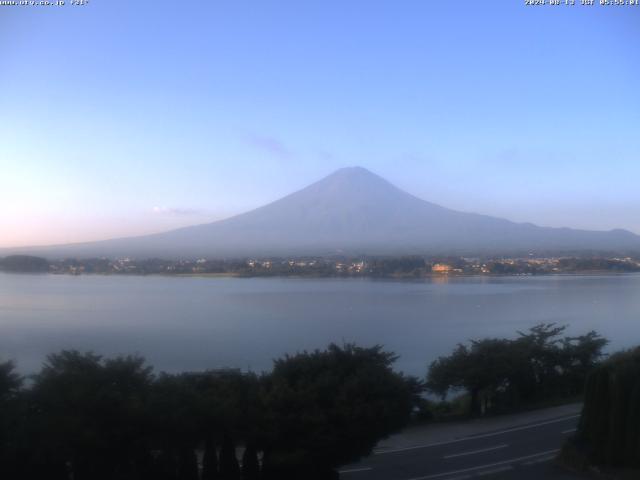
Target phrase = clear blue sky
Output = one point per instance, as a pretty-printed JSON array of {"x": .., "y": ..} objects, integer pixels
[{"x": 127, "y": 117}]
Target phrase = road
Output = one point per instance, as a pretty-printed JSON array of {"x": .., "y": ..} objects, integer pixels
[{"x": 522, "y": 447}]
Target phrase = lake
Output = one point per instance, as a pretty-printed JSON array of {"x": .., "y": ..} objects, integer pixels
[{"x": 191, "y": 323}]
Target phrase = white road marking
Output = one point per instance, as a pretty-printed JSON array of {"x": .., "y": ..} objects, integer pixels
[
  {"x": 539, "y": 460},
  {"x": 356, "y": 470},
  {"x": 571, "y": 430},
  {"x": 483, "y": 467},
  {"x": 495, "y": 470},
  {"x": 489, "y": 449},
  {"x": 474, "y": 437}
]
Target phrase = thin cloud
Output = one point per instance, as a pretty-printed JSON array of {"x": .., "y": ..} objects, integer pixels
[
  {"x": 270, "y": 145},
  {"x": 325, "y": 155},
  {"x": 176, "y": 212}
]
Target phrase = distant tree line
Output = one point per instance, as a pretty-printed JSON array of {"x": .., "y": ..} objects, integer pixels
[
  {"x": 579, "y": 264},
  {"x": 24, "y": 263},
  {"x": 84, "y": 417}
]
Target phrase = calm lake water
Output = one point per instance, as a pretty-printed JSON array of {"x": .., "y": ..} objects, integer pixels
[{"x": 198, "y": 323}]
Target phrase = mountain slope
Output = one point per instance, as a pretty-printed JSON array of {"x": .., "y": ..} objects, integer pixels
[{"x": 352, "y": 211}]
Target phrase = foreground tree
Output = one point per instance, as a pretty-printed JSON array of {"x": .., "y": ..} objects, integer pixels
[
  {"x": 502, "y": 373},
  {"x": 250, "y": 464},
  {"x": 609, "y": 429},
  {"x": 328, "y": 408},
  {"x": 10, "y": 412},
  {"x": 210, "y": 461},
  {"x": 483, "y": 370},
  {"x": 89, "y": 415},
  {"x": 89, "y": 418},
  {"x": 229, "y": 466}
]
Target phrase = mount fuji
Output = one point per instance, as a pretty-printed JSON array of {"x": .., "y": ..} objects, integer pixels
[{"x": 351, "y": 211}]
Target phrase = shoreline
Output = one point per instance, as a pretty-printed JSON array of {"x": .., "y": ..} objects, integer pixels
[{"x": 436, "y": 276}]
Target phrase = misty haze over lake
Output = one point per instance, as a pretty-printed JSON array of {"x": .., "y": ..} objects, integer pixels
[{"x": 198, "y": 323}]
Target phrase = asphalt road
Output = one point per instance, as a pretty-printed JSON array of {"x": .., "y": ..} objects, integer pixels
[{"x": 522, "y": 451}]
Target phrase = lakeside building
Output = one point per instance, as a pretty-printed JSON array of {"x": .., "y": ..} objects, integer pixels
[{"x": 441, "y": 268}]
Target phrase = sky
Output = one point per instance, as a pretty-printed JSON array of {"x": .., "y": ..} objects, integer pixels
[{"x": 124, "y": 118}]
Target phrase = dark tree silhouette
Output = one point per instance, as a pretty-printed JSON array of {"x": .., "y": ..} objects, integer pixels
[
  {"x": 609, "y": 428},
  {"x": 10, "y": 411},
  {"x": 229, "y": 466},
  {"x": 504, "y": 373},
  {"x": 328, "y": 408},
  {"x": 210, "y": 461},
  {"x": 90, "y": 413},
  {"x": 188, "y": 464},
  {"x": 90, "y": 418},
  {"x": 250, "y": 464}
]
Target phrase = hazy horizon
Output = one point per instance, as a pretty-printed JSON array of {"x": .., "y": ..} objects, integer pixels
[{"x": 125, "y": 119}]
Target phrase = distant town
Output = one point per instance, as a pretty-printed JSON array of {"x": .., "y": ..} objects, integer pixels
[{"x": 394, "y": 267}]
